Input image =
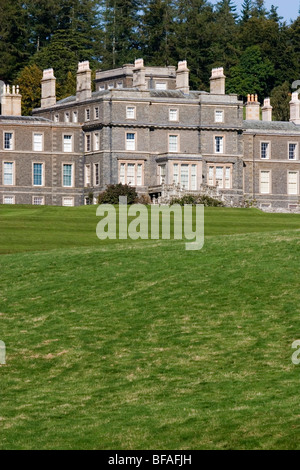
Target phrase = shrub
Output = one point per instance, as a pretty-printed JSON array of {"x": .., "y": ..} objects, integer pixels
[
  {"x": 114, "y": 191},
  {"x": 144, "y": 199},
  {"x": 207, "y": 201}
]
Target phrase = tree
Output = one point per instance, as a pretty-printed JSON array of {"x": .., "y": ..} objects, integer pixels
[
  {"x": 29, "y": 80},
  {"x": 280, "y": 99},
  {"x": 258, "y": 9},
  {"x": 246, "y": 11},
  {"x": 252, "y": 74}
]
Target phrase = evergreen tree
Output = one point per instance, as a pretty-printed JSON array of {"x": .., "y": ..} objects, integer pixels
[
  {"x": 246, "y": 11},
  {"x": 280, "y": 99},
  {"x": 29, "y": 80},
  {"x": 258, "y": 9},
  {"x": 252, "y": 74}
]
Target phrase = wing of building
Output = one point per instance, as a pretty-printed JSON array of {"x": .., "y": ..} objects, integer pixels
[{"x": 143, "y": 126}]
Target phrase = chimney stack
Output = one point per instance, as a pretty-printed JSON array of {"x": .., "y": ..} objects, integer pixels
[
  {"x": 252, "y": 108},
  {"x": 84, "y": 81},
  {"x": 48, "y": 89},
  {"x": 182, "y": 77},
  {"x": 11, "y": 101},
  {"x": 217, "y": 81},
  {"x": 295, "y": 108},
  {"x": 139, "y": 75},
  {"x": 267, "y": 110}
]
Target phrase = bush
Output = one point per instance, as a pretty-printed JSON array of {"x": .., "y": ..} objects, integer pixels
[
  {"x": 144, "y": 199},
  {"x": 207, "y": 201},
  {"x": 114, "y": 191}
]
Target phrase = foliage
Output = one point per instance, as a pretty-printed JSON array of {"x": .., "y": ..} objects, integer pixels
[
  {"x": 29, "y": 80},
  {"x": 280, "y": 99},
  {"x": 114, "y": 191},
  {"x": 207, "y": 201}
]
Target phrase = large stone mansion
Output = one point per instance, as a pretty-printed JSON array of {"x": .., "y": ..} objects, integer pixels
[{"x": 144, "y": 126}]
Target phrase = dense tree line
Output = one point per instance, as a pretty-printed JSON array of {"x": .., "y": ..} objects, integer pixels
[{"x": 259, "y": 51}]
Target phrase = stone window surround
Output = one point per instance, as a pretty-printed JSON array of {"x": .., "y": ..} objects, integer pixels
[
  {"x": 72, "y": 176},
  {"x": 270, "y": 181},
  {"x": 134, "y": 112},
  {"x": 269, "y": 149},
  {"x": 287, "y": 185},
  {"x": 136, "y": 163},
  {"x": 13, "y": 140},
  {"x": 10, "y": 196},
  {"x": 224, "y": 144},
  {"x": 38, "y": 133},
  {"x": 132, "y": 140},
  {"x": 41, "y": 197},
  {"x": 224, "y": 166},
  {"x": 178, "y": 143},
  {"x": 13, "y": 174},
  {"x": 72, "y": 142}
]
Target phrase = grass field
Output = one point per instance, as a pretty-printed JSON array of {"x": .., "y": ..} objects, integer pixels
[{"x": 143, "y": 345}]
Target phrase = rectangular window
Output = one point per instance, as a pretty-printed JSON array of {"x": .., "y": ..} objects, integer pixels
[
  {"x": 87, "y": 142},
  {"x": 67, "y": 117},
  {"x": 292, "y": 151},
  {"x": 37, "y": 142},
  {"x": 175, "y": 173},
  {"x": 67, "y": 175},
  {"x": 219, "y": 116},
  {"x": 227, "y": 178},
  {"x": 87, "y": 114},
  {"x": 96, "y": 141},
  {"x": 162, "y": 174},
  {"x": 37, "y": 174},
  {"x": 68, "y": 143},
  {"x": 173, "y": 143},
  {"x": 130, "y": 141},
  {"x": 219, "y": 144},
  {"x": 38, "y": 200},
  {"x": 131, "y": 174},
  {"x": 96, "y": 174},
  {"x": 122, "y": 173},
  {"x": 173, "y": 114},
  {"x": 139, "y": 173},
  {"x": 265, "y": 150},
  {"x": 219, "y": 176},
  {"x": 75, "y": 116},
  {"x": 8, "y": 140},
  {"x": 120, "y": 85},
  {"x": 293, "y": 183},
  {"x": 68, "y": 201},
  {"x": 96, "y": 113},
  {"x": 110, "y": 86},
  {"x": 184, "y": 176},
  {"x": 9, "y": 200},
  {"x": 8, "y": 173},
  {"x": 193, "y": 177},
  {"x": 265, "y": 182},
  {"x": 130, "y": 112},
  {"x": 87, "y": 173},
  {"x": 211, "y": 176}
]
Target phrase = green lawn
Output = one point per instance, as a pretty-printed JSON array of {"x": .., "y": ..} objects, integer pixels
[{"x": 144, "y": 345}]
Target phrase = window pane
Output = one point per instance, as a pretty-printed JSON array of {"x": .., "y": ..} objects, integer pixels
[
  {"x": 184, "y": 176},
  {"x": 264, "y": 150},
  {"x": 265, "y": 182},
  {"x": 162, "y": 174},
  {"x": 67, "y": 175},
  {"x": 122, "y": 173},
  {"x": 219, "y": 116},
  {"x": 219, "y": 176},
  {"x": 211, "y": 176},
  {"x": 38, "y": 201},
  {"x": 292, "y": 151},
  {"x": 194, "y": 177},
  {"x": 37, "y": 174},
  {"x": 173, "y": 143},
  {"x": 175, "y": 173},
  {"x": 8, "y": 173},
  {"x": 68, "y": 201},
  {"x": 38, "y": 142},
  {"x": 130, "y": 141},
  {"x": 227, "y": 178},
  {"x": 293, "y": 182},
  {"x": 97, "y": 175},
  {"x": 67, "y": 143},
  {"x": 8, "y": 140},
  {"x": 130, "y": 112},
  {"x": 139, "y": 174},
  {"x": 131, "y": 174},
  {"x": 173, "y": 113},
  {"x": 219, "y": 144},
  {"x": 8, "y": 200}
]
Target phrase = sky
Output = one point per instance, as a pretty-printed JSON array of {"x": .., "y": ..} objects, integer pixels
[{"x": 287, "y": 8}]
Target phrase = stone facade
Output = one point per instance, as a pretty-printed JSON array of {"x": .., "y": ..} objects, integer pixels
[{"x": 152, "y": 132}]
